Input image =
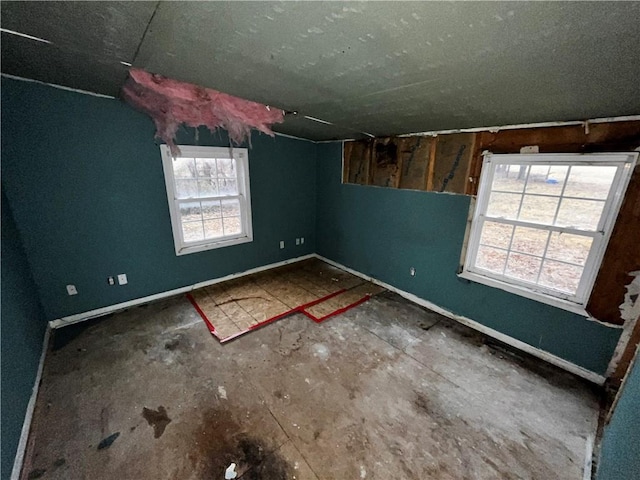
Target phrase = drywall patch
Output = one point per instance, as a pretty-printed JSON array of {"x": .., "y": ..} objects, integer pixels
[{"x": 171, "y": 103}]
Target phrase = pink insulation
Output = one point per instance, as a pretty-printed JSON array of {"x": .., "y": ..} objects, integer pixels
[{"x": 170, "y": 103}]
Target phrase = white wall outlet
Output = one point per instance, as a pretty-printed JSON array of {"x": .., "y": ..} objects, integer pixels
[
  {"x": 111, "y": 280},
  {"x": 412, "y": 271},
  {"x": 71, "y": 290},
  {"x": 122, "y": 279},
  {"x": 297, "y": 241},
  {"x": 281, "y": 244},
  {"x": 301, "y": 240}
]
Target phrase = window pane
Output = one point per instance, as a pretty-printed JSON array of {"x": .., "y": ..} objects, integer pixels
[
  {"x": 538, "y": 209},
  {"x": 213, "y": 228},
  {"x": 569, "y": 248},
  {"x": 211, "y": 209},
  {"x": 208, "y": 188},
  {"x": 546, "y": 179},
  {"x": 503, "y": 205},
  {"x": 523, "y": 267},
  {"x": 190, "y": 212},
  {"x": 592, "y": 181},
  {"x": 192, "y": 231},
  {"x": 226, "y": 168},
  {"x": 184, "y": 167},
  {"x": 206, "y": 167},
  {"x": 231, "y": 208},
  {"x": 227, "y": 187},
  {"x": 496, "y": 234},
  {"x": 530, "y": 240},
  {"x": 584, "y": 214},
  {"x": 491, "y": 259},
  {"x": 186, "y": 188},
  {"x": 560, "y": 276},
  {"x": 509, "y": 178},
  {"x": 232, "y": 225}
]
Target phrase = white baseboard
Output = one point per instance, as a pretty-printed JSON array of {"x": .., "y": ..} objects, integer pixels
[
  {"x": 525, "y": 347},
  {"x": 81, "y": 317},
  {"x": 28, "y": 417}
]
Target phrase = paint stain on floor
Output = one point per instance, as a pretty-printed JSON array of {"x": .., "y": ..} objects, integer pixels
[{"x": 158, "y": 419}]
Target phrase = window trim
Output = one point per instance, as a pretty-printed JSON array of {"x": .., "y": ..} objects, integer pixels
[
  {"x": 241, "y": 156},
  {"x": 576, "y": 303}
]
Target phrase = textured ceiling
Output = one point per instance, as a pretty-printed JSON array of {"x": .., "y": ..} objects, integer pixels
[{"x": 377, "y": 67}]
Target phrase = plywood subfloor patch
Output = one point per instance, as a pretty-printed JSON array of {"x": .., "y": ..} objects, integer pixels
[
  {"x": 341, "y": 302},
  {"x": 312, "y": 287}
]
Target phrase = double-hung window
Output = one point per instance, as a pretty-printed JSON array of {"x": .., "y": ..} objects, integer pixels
[
  {"x": 208, "y": 193},
  {"x": 542, "y": 221}
]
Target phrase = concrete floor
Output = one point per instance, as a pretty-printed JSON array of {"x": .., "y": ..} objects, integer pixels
[{"x": 384, "y": 391}]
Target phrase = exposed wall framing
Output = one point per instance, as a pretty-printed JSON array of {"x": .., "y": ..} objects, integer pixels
[{"x": 452, "y": 163}]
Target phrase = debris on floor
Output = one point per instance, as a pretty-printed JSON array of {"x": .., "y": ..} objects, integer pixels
[{"x": 389, "y": 391}]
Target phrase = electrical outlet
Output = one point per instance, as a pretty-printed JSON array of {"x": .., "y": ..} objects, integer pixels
[
  {"x": 111, "y": 280},
  {"x": 412, "y": 272},
  {"x": 281, "y": 244},
  {"x": 297, "y": 241},
  {"x": 71, "y": 290},
  {"x": 301, "y": 240},
  {"x": 122, "y": 279}
]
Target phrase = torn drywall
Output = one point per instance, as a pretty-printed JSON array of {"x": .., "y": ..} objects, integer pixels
[
  {"x": 630, "y": 308},
  {"x": 171, "y": 103}
]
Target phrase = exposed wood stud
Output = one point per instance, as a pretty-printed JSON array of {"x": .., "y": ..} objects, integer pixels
[{"x": 432, "y": 163}]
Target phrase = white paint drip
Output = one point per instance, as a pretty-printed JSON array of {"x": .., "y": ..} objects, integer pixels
[
  {"x": 363, "y": 472},
  {"x": 230, "y": 473},
  {"x": 320, "y": 351},
  {"x": 223, "y": 395}
]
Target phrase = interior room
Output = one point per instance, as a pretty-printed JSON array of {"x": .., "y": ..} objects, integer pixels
[{"x": 320, "y": 240}]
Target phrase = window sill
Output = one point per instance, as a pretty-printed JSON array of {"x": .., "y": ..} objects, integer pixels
[
  {"x": 527, "y": 293},
  {"x": 228, "y": 242}
]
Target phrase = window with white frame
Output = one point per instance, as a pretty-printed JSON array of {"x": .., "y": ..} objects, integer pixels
[
  {"x": 208, "y": 193},
  {"x": 542, "y": 221}
]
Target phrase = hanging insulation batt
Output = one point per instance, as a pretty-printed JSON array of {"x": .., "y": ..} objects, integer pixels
[{"x": 170, "y": 103}]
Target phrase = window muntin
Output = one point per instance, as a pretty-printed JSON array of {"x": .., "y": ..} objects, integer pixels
[
  {"x": 542, "y": 221},
  {"x": 208, "y": 193}
]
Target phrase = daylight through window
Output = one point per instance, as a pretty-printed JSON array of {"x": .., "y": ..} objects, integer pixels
[
  {"x": 542, "y": 221},
  {"x": 208, "y": 193}
]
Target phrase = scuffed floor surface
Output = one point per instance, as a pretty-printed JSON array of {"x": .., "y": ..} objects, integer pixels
[{"x": 384, "y": 391}]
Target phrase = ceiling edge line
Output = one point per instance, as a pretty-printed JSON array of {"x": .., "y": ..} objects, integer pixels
[
  {"x": 24, "y": 35},
  {"x": 101, "y": 95},
  {"x": 286, "y": 135},
  {"x": 55, "y": 85},
  {"x": 620, "y": 118}
]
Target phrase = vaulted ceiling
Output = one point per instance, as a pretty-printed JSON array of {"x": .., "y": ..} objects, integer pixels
[{"x": 376, "y": 68}]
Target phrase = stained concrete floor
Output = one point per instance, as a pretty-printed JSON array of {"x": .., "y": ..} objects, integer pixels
[{"x": 384, "y": 391}]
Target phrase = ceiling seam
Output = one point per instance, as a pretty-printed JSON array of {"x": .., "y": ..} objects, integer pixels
[{"x": 144, "y": 34}]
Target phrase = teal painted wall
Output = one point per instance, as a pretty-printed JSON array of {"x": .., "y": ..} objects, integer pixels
[
  {"x": 84, "y": 179},
  {"x": 383, "y": 232},
  {"x": 21, "y": 337},
  {"x": 620, "y": 448}
]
